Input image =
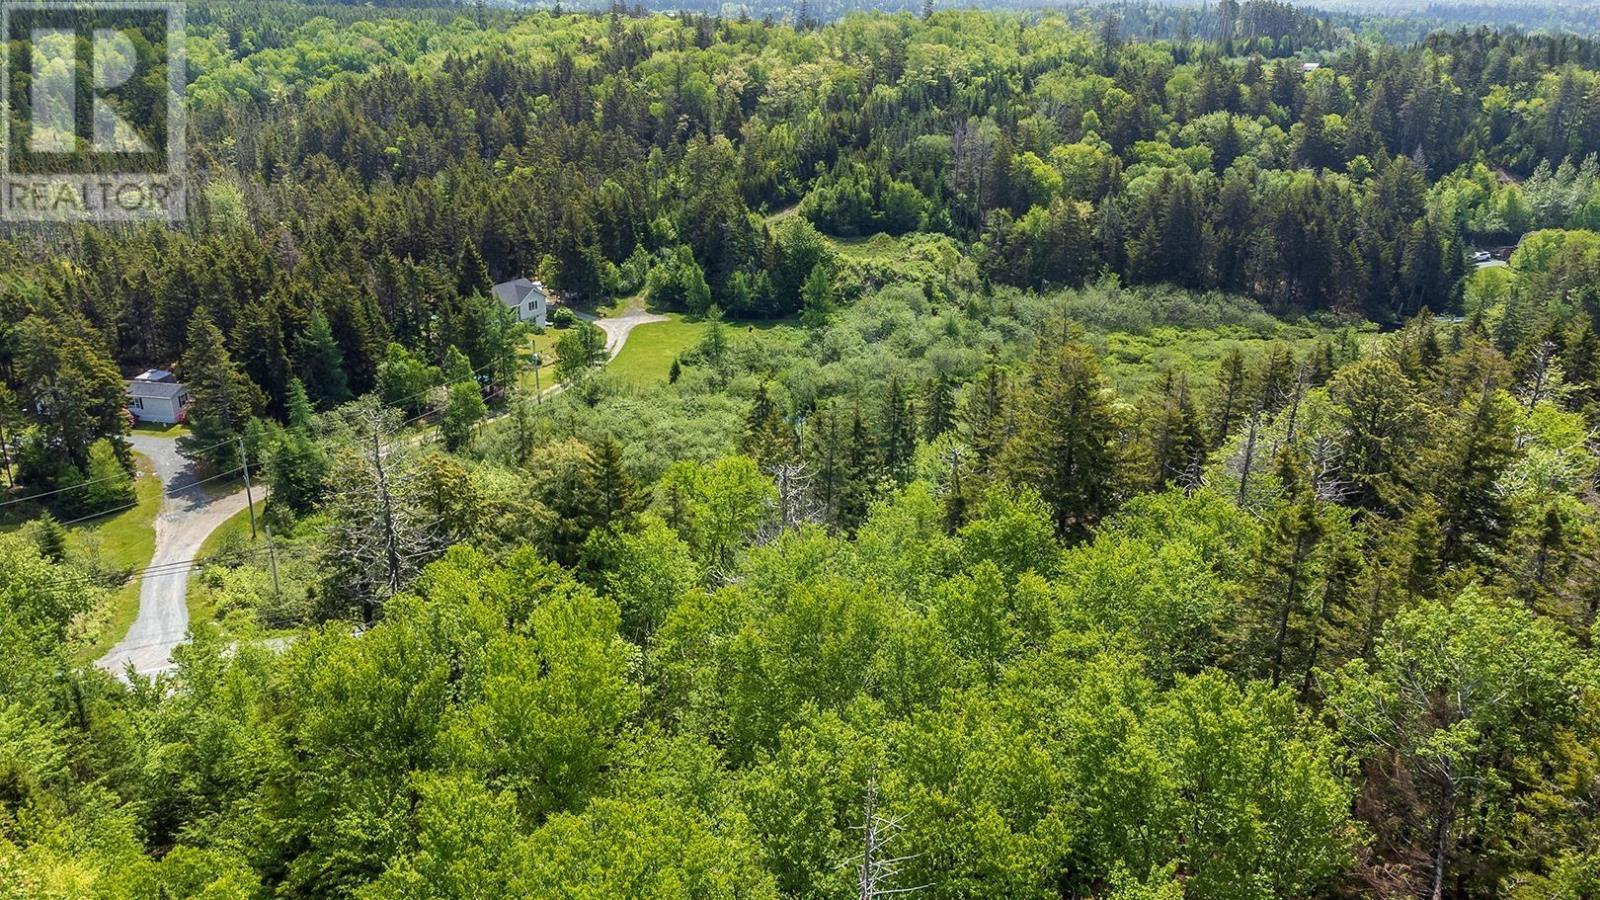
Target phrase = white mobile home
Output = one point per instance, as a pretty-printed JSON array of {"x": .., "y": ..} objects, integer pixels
[{"x": 157, "y": 396}]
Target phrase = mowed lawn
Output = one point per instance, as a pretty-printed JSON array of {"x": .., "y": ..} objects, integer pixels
[
  {"x": 124, "y": 541},
  {"x": 647, "y": 356}
]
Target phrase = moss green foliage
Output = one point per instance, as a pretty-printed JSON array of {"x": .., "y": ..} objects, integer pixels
[{"x": 1070, "y": 468}]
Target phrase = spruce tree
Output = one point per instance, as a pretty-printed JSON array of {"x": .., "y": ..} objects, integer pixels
[
  {"x": 1291, "y": 536},
  {"x": 861, "y": 474},
  {"x": 615, "y": 490},
  {"x": 320, "y": 363},
  {"x": 1067, "y": 441},
  {"x": 767, "y": 439},
  {"x": 222, "y": 399},
  {"x": 898, "y": 439},
  {"x": 939, "y": 408},
  {"x": 299, "y": 406},
  {"x": 1176, "y": 439},
  {"x": 828, "y": 457},
  {"x": 1232, "y": 401},
  {"x": 816, "y": 297},
  {"x": 984, "y": 423},
  {"x": 1475, "y": 516}
]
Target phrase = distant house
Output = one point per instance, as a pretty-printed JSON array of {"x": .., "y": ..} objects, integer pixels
[
  {"x": 1308, "y": 68},
  {"x": 157, "y": 396},
  {"x": 528, "y": 299}
]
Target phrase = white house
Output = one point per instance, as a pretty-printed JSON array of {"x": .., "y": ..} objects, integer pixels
[
  {"x": 528, "y": 299},
  {"x": 156, "y": 396}
]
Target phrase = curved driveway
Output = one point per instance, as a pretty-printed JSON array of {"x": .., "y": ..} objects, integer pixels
[{"x": 188, "y": 516}]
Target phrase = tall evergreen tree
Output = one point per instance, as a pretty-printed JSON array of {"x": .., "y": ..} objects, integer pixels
[
  {"x": 939, "y": 408},
  {"x": 222, "y": 399},
  {"x": 984, "y": 420},
  {"x": 1067, "y": 443},
  {"x": 898, "y": 440},
  {"x": 1475, "y": 518},
  {"x": 320, "y": 364}
]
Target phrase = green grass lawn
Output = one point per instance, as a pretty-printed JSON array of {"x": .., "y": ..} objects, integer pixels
[
  {"x": 126, "y": 540},
  {"x": 647, "y": 356},
  {"x": 159, "y": 430},
  {"x": 545, "y": 346}
]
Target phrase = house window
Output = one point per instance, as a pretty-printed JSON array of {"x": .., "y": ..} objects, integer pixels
[{"x": 138, "y": 403}]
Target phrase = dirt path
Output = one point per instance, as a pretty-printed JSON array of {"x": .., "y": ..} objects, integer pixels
[{"x": 188, "y": 516}]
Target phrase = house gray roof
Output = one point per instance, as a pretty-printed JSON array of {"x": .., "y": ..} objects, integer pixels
[
  {"x": 517, "y": 291},
  {"x": 156, "y": 390}
]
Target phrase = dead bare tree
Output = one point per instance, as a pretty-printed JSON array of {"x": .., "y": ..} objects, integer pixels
[
  {"x": 796, "y": 504},
  {"x": 380, "y": 535},
  {"x": 877, "y": 870}
]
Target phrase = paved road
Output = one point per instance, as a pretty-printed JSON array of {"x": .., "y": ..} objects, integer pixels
[{"x": 188, "y": 516}]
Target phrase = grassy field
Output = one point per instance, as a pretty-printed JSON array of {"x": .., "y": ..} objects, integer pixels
[
  {"x": 124, "y": 541},
  {"x": 647, "y": 356},
  {"x": 233, "y": 534},
  {"x": 545, "y": 346}
]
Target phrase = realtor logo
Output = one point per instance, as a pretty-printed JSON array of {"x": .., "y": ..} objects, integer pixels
[{"x": 93, "y": 128}]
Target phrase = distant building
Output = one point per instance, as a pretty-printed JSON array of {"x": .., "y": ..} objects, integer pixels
[
  {"x": 528, "y": 299},
  {"x": 1308, "y": 68},
  {"x": 157, "y": 396}
]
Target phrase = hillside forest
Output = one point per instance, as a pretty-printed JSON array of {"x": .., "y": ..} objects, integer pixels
[{"x": 1076, "y": 459}]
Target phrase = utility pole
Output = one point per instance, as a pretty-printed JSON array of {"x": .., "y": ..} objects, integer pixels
[
  {"x": 249, "y": 499},
  {"x": 538, "y": 392}
]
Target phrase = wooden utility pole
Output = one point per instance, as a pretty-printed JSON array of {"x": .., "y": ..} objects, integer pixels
[{"x": 249, "y": 499}]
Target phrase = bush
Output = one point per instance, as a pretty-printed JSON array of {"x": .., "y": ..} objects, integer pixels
[{"x": 564, "y": 318}]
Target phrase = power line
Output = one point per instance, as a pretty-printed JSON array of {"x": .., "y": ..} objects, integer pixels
[
  {"x": 83, "y": 484},
  {"x": 173, "y": 492},
  {"x": 174, "y": 567}
]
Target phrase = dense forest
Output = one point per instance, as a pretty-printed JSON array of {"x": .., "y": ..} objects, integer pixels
[{"x": 1100, "y": 463}]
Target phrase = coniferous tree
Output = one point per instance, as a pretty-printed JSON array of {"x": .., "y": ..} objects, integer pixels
[
  {"x": 1067, "y": 441},
  {"x": 984, "y": 422},
  {"x": 1474, "y": 516},
  {"x": 861, "y": 470},
  {"x": 1232, "y": 403},
  {"x": 1176, "y": 440},
  {"x": 1287, "y": 545},
  {"x": 298, "y": 406},
  {"x": 828, "y": 454},
  {"x": 939, "y": 408},
  {"x": 614, "y": 487},
  {"x": 222, "y": 399},
  {"x": 898, "y": 443},
  {"x": 767, "y": 439},
  {"x": 72, "y": 389},
  {"x": 320, "y": 364}
]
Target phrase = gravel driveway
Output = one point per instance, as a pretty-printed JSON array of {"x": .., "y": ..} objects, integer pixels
[{"x": 188, "y": 516}]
